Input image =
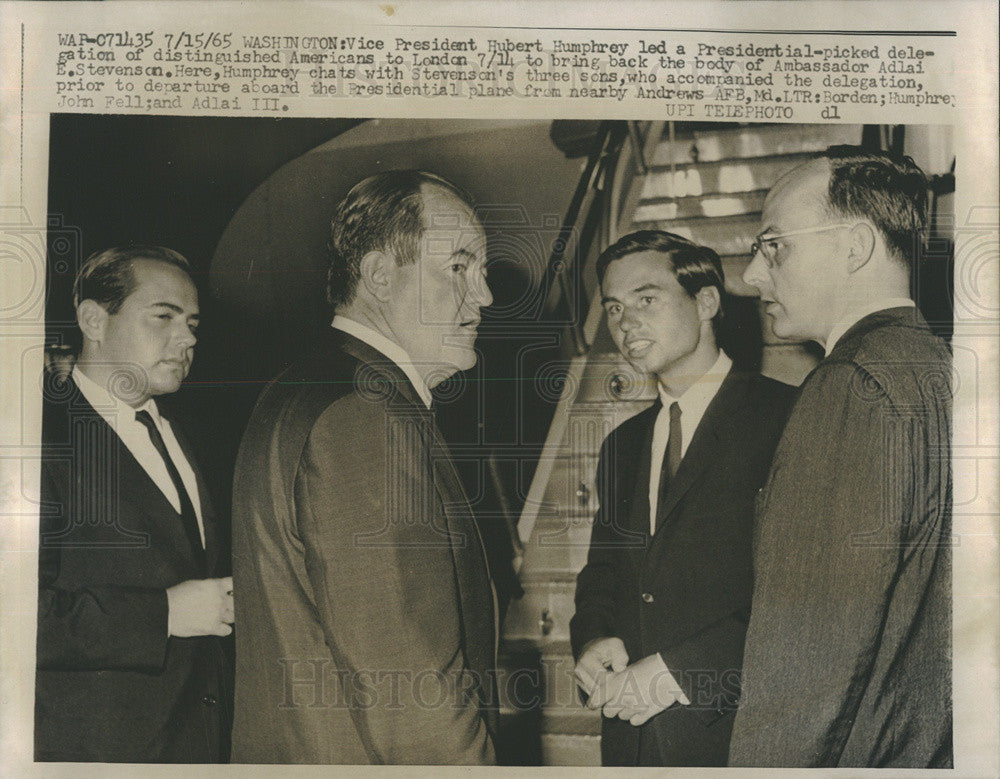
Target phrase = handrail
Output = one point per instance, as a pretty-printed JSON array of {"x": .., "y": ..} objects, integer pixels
[
  {"x": 579, "y": 222},
  {"x": 613, "y": 182}
]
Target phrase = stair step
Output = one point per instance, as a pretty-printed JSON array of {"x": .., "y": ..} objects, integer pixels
[
  {"x": 542, "y": 721},
  {"x": 551, "y": 595},
  {"x": 561, "y": 529},
  {"x": 571, "y": 750},
  {"x": 748, "y": 142},
  {"x": 707, "y": 206},
  {"x": 581, "y": 722},
  {"x": 544, "y": 684},
  {"x": 718, "y": 178},
  {"x": 731, "y": 235},
  {"x": 571, "y": 484},
  {"x": 557, "y": 549},
  {"x": 520, "y": 647}
]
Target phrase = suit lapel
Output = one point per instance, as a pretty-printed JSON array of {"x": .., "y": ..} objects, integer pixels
[
  {"x": 377, "y": 373},
  {"x": 701, "y": 452},
  {"x": 162, "y": 519},
  {"x": 468, "y": 552},
  {"x": 638, "y": 517}
]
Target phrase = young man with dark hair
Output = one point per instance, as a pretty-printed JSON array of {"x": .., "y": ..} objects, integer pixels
[
  {"x": 130, "y": 667},
  {"x": 663, "y": 601},
  {"x": 849, "y": 646}
]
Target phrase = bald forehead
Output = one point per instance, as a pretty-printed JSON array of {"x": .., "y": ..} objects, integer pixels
[
  {"x": 803, "y": 189},
  {"x": 443, "y": 208}
]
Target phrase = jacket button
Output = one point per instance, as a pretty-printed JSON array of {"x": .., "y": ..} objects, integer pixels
[
  {"x": 209, "y": 700},
  {"x": 647, "y": 597}
]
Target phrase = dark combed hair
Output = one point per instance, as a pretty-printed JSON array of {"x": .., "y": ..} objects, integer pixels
[
  {"x": 889, "y": 190},
  {"x": 695, "y": 266},
  {"x": 108, "y": 277},
  {"x": 383, "y": 212}
]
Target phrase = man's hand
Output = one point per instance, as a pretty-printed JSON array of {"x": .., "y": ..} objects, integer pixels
[
  {"x": 200, "y": 607},
  {"x": 640, "y": 692},
  {"x": 596, "y": 658}
]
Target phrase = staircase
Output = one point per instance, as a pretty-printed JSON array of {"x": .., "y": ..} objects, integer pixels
[{"x": 708, "y": 185}]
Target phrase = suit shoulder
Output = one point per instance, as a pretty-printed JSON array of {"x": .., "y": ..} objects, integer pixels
[
  {"x": 308, "y": 385},
  {"x": 898, "y": 361},
  {"x": 337, "y": 394},
  {"x": 633, "y": 426},
  {"x": 901, "y": 344}
]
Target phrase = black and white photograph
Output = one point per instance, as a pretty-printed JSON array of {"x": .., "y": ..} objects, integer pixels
[
  {"x": 554, "y": 388},
  {"x": 475, "y": 442}
]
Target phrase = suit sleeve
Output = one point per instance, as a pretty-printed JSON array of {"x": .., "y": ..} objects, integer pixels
[
  {"x": 830, "y": 536},
  {"x": 703, "y": 666},
  {"x": 380, "y": 564},
  {"x": 94, "y": 628},
  {"x": 595, "y": 608}
]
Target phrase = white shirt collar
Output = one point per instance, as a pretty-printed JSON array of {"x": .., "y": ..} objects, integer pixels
[
  {"x": 855, "y": 315},
  {"x": 120, "y": 416},
  {"x": 106, "y": 404},
  {"x": 389, "y": 348},
  {"x": 695, "y": 400}
]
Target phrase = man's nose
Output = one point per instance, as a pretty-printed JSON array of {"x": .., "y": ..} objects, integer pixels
[
  {"x": 185, "y": 336},
  {"x": 628, "y": 320},
  {"x": 481, "y": 294},
  {"x": 755, "y": 274}
]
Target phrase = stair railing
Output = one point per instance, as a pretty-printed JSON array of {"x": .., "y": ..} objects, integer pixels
[{"x": 605, "y": 198}]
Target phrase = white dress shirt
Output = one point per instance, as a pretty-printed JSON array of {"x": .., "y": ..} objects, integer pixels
[
  {"x": 135, "y": 435},
  {"x": 857, "y": 314},
  {"x": 694, "y": 402},
  {"x": 390, "y": 349}
]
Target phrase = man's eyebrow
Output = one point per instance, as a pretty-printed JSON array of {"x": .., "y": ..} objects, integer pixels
[
  {"x": 647, "y": 287},
  {"x": 609, "y": 299},
  {"x": 463, "y": 253},
  {"x": 173, "y": 307}
]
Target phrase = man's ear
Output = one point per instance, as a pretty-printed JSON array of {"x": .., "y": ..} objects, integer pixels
[
  {"x": 377, "y": 273},
  {"x": 92, "y": 319},
  {"x": 709, "y": 301},
  {"x": 861, "y": 246}
]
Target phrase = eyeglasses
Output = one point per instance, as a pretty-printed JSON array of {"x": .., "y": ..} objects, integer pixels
[{"x": 767, "y": 244}]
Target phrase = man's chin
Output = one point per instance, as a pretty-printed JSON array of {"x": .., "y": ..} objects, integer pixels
[
  {"x": 643, "y": 364},
  {"x": 167, "y": 383},
  {"x": 450, "y": 363},
  {"x": 462, "y": 359},
  {"x": 782, "y": 329}
]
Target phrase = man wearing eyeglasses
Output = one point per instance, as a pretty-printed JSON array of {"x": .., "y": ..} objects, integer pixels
[{"x": 847, "y": 659}]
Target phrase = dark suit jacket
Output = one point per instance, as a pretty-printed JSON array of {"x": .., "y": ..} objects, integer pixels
[
  {"x": 110, "y": 685},
  {"x": 696, "y": 568},
  {"x": 364, "y": 603},
  {"x": 848, "y": 651}
]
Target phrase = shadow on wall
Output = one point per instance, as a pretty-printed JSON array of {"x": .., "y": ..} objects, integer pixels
[{"x": 271, "y": 261}]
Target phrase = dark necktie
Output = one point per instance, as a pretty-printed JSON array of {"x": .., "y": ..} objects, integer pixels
[
  {"x": 188, "y": 518},
  {"x": 671, "y": 459}
]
